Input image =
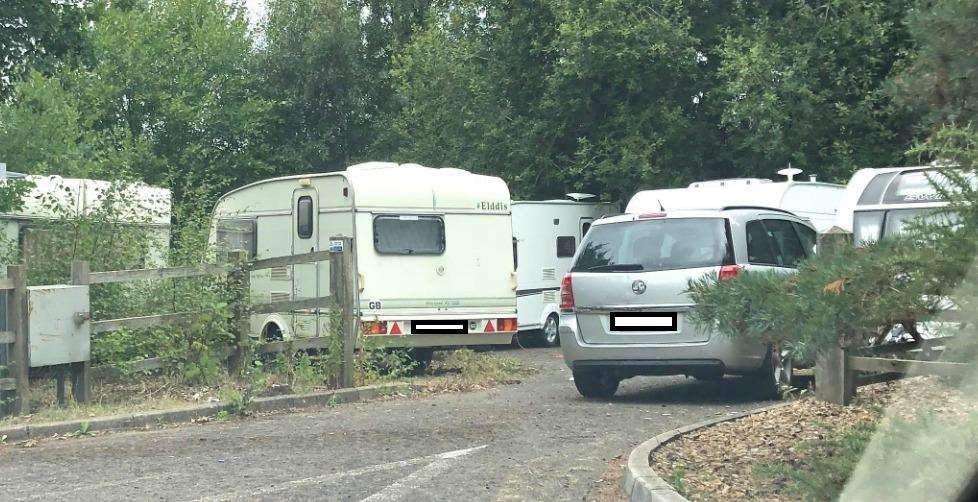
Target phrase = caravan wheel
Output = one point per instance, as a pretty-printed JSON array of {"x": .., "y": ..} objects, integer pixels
[{"x": 550, "y": 333}]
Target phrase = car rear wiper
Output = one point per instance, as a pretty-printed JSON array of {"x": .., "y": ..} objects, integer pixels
[{"x": 616, "y": 267}]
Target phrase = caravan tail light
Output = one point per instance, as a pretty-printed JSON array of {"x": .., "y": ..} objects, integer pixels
[
  {"x": 395, "y": 329},
  {"x": 508, "y": 324},
  {"x": 489, "y": 328},
  {"x": 566, "y": 294},
  {"x": 728, "y": 272},
  {"x": 374, "y": 328}
]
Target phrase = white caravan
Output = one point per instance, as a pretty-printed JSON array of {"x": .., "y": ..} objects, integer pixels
[
  {"x": 432, "y": 251},
  {"x": 53, "y": 197},
  {"x": 545, "y": 237},
  {"x": 879, "y": 202},
  {"x": 813, "y": 200}
]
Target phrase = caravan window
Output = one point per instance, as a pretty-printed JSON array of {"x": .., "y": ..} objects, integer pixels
[
  {"x": 237, "y": 234},
  {"x": 303, "y": 218},
  {"x": 409, "y": 234},
  {"x": 566, "y": 245}
]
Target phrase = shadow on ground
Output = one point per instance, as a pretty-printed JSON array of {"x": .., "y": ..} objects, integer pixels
[{"x": 730, "y": 390}]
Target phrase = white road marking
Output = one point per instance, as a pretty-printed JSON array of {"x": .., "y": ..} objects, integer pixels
[
  {"x": 339, "y": 476},
  {"x": 403, "y": 487}
]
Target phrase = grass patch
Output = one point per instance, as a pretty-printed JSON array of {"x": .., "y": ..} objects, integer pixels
[
  {"x": 924, "y": 458},
  {"x": 676, "y": 480},
  {"x": 825, "y": 465},
  {"x": 126, "y": 393},
  {"x": 465, "y": 369}
]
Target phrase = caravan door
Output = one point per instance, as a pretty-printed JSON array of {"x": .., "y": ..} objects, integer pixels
[{"x": 305, "y": 239}]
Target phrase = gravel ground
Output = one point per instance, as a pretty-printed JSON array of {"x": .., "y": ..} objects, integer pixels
[
  {"x": 717, "y": 463},
  {"x": 535, "y": 440}
]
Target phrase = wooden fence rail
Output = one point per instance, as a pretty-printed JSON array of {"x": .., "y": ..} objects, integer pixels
[
  {"x": 149, "y": 321},
  {"x": 837, "y": 370},
  {"x": 238, "y": 272},
  {"x": 146, "y": 274}
]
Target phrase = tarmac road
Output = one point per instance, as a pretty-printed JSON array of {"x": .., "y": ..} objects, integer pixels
[{"x": 537, "y": 440}]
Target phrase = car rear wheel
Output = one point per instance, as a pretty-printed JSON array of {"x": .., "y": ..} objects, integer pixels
[
  {"x": 776, "y": 373},
  {"x": 549, "y": 333},
  {"x": 596, "y": 384}
]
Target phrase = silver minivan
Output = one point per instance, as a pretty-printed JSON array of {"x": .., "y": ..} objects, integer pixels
[{"x": 624, "y": 304}]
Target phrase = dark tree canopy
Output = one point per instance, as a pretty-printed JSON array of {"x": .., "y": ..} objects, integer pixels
[{"x": 603, "y": 96}]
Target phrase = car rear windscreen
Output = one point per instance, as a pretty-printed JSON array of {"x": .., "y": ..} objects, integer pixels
[
  {"x": 409, "y": 234},
  {"x": 652, "y": 245}
]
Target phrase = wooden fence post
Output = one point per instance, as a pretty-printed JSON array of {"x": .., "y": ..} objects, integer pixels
[
  {"x": 80, "y": 372},
  {"x": 342, "y": 289},
  {"x": 835, "y": 380},
  {"x": 241, "y": 282},
  {"x": 19, "y": 360}
]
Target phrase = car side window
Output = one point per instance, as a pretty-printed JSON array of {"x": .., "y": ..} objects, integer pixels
[
  {"x": 808, "y": 238},
  {"x": 759, "y": 246},
  {"x": 787, "y": 246}
]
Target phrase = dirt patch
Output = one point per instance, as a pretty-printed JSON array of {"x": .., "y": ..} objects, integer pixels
[
  {"x": 608, "y": 487},
  {"x": 722, "y": 462}
]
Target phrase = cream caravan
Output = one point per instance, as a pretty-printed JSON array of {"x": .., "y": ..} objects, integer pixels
[
  {"x": 52, "y": 197},
  {"x": 432, "y": 251}
]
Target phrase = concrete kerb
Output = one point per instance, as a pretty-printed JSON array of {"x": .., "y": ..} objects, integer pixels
[
  {"x": 147, "y": 419},
  {"x": 640, "y": 482}
]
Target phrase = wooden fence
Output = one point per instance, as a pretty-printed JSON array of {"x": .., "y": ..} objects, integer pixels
[
  {"x": 839, "y": 371},
  {"x": 341, "y": 285}
]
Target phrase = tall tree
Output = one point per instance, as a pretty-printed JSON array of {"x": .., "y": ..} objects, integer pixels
[
  {"x": 317, "y": 70},
  {"x": 35, "y": 34},
  {"x": 939, "y": 81},
  {"x": 167, "y": 88},
  {"x": 804, "y": 83}
]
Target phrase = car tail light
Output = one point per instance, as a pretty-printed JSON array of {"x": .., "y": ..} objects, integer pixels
[
  {"x": 651, "y": 215},
  {"x": 508, "y": 324},
  {"x": 566, "y": 294},
  {"x": 728, "y": 272},
  {"x": 374, "y": 327}
]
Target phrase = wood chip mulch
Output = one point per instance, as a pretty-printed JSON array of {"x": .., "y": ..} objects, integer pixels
[{"x": 716, "y": 463}]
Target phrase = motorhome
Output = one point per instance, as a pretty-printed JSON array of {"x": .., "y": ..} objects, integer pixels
[
  {"x": 51, "y": 198},
  {"x": 545, "y": 236},
  {"x": 431, "y": 247},
  {"x": 878, "y": 202},
  {"x": 813, "y": 200}
]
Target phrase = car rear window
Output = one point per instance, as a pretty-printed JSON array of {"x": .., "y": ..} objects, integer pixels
[{"x": 653, "y": 245}]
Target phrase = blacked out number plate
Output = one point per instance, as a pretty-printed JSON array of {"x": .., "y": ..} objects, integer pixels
[
  {"x": 644, "y": 321},
  {"x": 440, "y": 327}
]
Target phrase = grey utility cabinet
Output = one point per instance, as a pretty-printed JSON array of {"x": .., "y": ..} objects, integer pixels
[{"x": 57, "y": 324}]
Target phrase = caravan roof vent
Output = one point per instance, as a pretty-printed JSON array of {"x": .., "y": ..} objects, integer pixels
[
  {"x": 580, "y": 196},
  {"x": 790, "y": 172}
]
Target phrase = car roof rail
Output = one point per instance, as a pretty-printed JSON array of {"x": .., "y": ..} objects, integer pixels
[{"x": 763, "y": 208}]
